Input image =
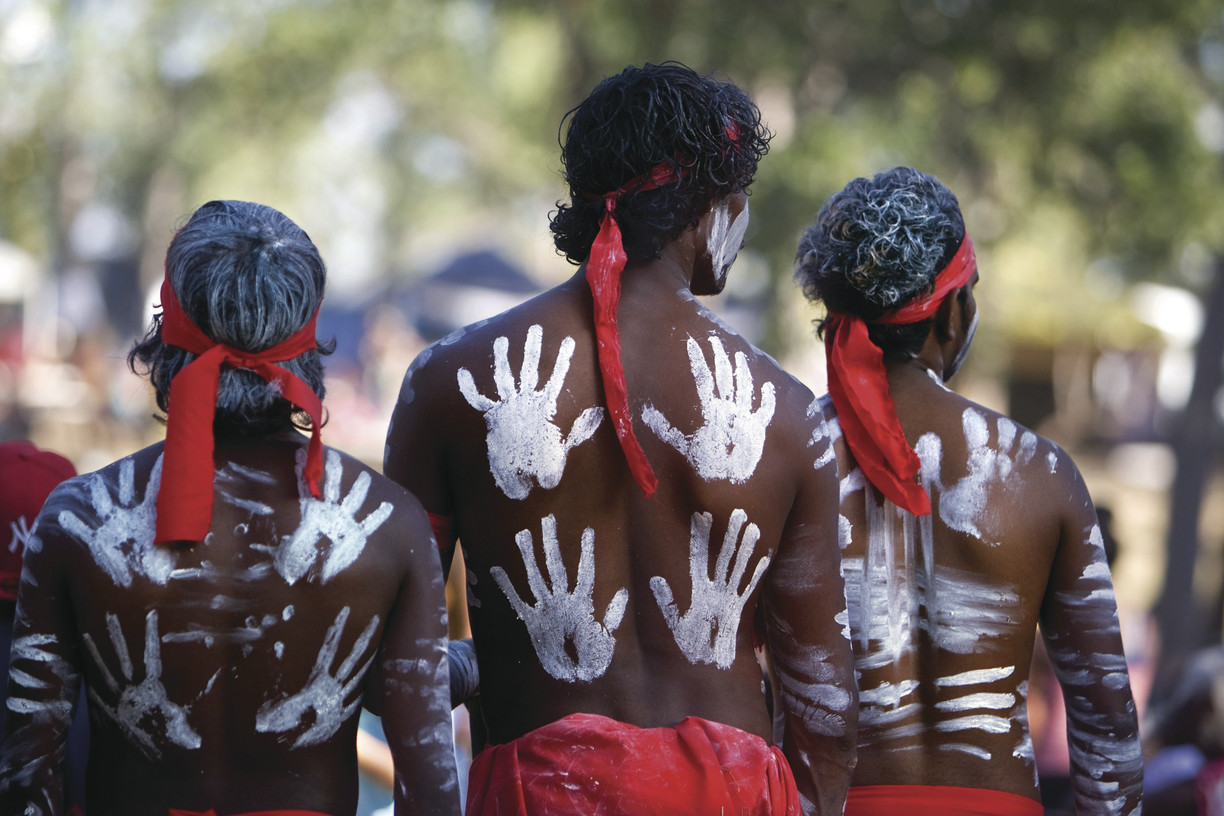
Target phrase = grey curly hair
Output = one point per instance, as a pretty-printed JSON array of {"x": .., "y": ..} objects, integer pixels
[
  {"x": 876, "y": 245},
  {"x": 250, "y": 278}
]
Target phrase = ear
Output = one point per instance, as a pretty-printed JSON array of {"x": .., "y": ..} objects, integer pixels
[{"x": 948, "y": 323}]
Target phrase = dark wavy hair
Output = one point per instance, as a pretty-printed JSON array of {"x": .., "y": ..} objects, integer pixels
[
  {"x": 250, "y": 278},
  {"x": 708, "y": 129},
  {"x": 878, "y": 244}
]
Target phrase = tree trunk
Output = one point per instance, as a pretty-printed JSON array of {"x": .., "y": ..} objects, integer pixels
[{"x": 1182, "y": 618}]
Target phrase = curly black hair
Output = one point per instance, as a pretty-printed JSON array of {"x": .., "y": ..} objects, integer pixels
[
  {"x": 248, "y": 277},
  {"x": 878, "y": 244},
  {"x": 708, "y": 129}
]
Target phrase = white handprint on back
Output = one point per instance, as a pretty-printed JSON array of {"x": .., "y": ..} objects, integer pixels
[
  {"x": 729, "y": 443},
  {"x": 523, "y": 442},
  {"x": 560, "y": 616},
  {"x": 122, "y": 543}
]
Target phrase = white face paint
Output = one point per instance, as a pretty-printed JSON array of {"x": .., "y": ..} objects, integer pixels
[
  {"x": 560, "y": 617},
  {"x": 726, "y": 238},
  {"x": 332, "y": 519},
  {"x": 327, "y": 700},
  {"x": 143, "y": 710},
  {"x": 524, "y": 444},
  {"x": 963, "y": 352},
  {"x": 731, "y": 439},
  {"x": 707, "y": 632},
  {"x": 122, "y": 543}
]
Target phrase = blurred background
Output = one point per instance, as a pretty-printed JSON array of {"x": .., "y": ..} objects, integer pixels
[{"x": 417, "y": 142}]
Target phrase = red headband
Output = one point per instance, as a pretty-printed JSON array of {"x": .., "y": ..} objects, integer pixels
[
  {"x": 604, "y": 266},
  {"x": 859, "y": 388},
  {"x": 184, "y": 503}
]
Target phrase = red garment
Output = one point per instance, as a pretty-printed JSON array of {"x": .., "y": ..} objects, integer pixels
[
  {"x": 443, "y": 529},
  {"x": 176, "y": 812},
  {"x": 184, "y": 502},
  {"x": 937, "y": 800},
  {"x": 859, "y": 388},
  {"x": 604, "y": 266},
  {"x": 27, "y": 475},
  {"x": 592, "y": 765}
]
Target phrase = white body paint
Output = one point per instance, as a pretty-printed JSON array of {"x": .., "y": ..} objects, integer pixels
[
  {"x": 331, "y": 519},
  {"x": 560, "y": 616},
  {"x": 707, "y": 632},
  {"x": 122, "y": 544},
  {"x": 731, "y": 439},
  {"x": 524, "y": 444},
  {"x": 143, "y": 711},
  {"x": 726, "y": 238},
  {"x": 329, "y": 699}
]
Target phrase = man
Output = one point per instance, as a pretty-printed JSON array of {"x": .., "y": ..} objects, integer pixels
[
  {"x": 961, "y": 532},
  {"x": 27, "y": 475},
  {"x": 634, "y": 486},
  {"x": 230, "y": 596}
]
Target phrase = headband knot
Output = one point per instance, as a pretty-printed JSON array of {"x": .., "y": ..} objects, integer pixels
[
  {"x": 185, "y": 499},
  {"x": 858, "y": 385}
]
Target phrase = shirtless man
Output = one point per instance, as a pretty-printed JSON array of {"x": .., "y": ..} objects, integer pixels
[
  {"x": 961, "y": 531},
  {"x": 624, "y": 531},
  {"x": 229, "y": 596}
]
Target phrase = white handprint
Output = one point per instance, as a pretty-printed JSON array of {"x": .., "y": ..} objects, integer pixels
[
  {"x": 707, "y": 632},
  {"x": 324, "y": 693},
  {"x": 523, "y": 441},
  {"x": 144, "y": 711},
  {"x": 122, "y": 544},
  {"x": 332, "y": 519},
  {"x": 963, "y": 506},
  {"x": 729, "y": 443},
  {"x": 560, "y": 617}
]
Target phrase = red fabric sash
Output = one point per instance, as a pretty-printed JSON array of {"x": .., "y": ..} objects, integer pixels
[
  {"x": 604, "y": 266},
  {"x": 590, "y": 764},
  {"x": 937, "y": 800},
  {"x": 859, "y": 388},
  {"x": 184, "y": 503},
  {"x": 443, "y": 529}
]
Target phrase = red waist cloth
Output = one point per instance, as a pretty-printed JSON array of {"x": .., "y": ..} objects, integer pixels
[
  {"x": 596, "y": 766},
  {"x": 937, "y": 800},
  {"x": 176, "y": 812}
]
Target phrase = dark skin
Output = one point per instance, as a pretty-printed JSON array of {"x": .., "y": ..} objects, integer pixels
[
  {"x": 1014, "y": 533},
  {"x": 438, "y": 448},
  {"x": 195, "y": 657}
]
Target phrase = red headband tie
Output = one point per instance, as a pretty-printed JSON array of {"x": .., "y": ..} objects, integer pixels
[
  {"x": 604, "y": 266},
  {"x": 184, "y": 502},
  {"x": 859, "y": 388}
]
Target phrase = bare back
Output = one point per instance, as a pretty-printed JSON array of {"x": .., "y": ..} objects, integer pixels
[
  {"x": 944, "y": 608},
  {"x": 228, "y": 674},
  {"x": 584, "y": 595}
]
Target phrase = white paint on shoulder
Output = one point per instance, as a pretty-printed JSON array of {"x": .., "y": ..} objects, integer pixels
[
  {"x": 731, "y": 439},
  {"x": 121, "y": 543},
  {"x": 331, "y": 519},
  {"x": 524, "y": 444}
]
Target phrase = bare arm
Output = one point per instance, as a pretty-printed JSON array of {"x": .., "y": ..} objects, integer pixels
[
  {"x": 1079, "y": 621},
  {"x": 805, "y": 613},
  {"x": 415, "y": 688},
  {"x": 413, "y": 453},
  {"x": 44, "y": 679}
]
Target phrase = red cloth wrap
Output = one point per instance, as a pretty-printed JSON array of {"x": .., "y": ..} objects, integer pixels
[
  {"x": 859, "y": 388},
  {"x": 184, "y": 503},
  {"x": 176, "y": 812},
  {"x": 443, "y": 529},
  {"x": 596, "y": 766},
  {"x": 937, "y": 800},
  {"x": 604, "y": 266}
]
